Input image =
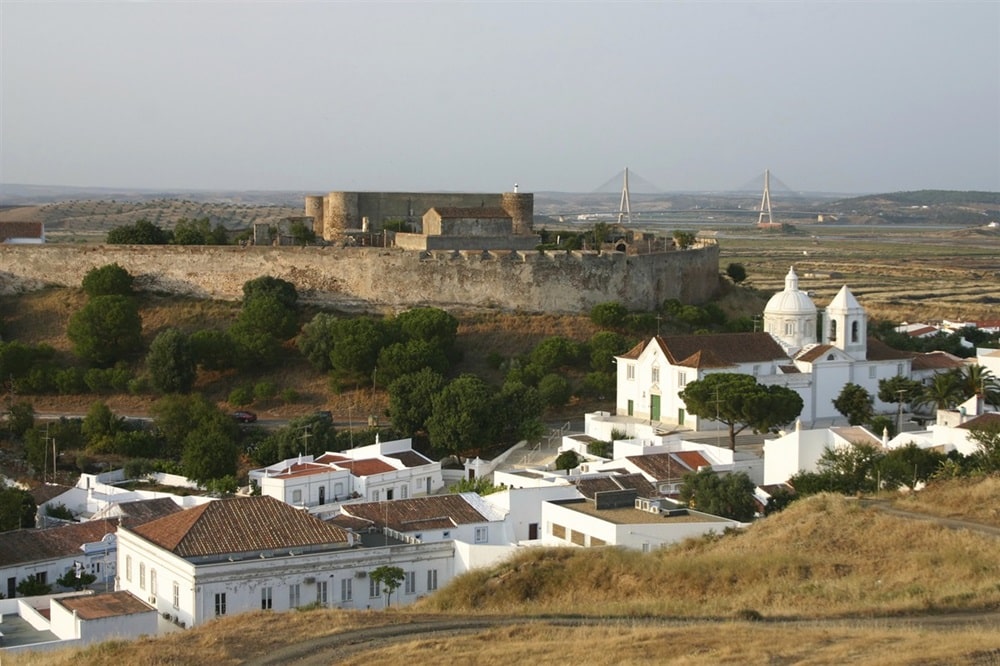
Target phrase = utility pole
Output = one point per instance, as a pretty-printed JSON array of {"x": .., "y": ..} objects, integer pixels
[{"x": 899, "y": 411}]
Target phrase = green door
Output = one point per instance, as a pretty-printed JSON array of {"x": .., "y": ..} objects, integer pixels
[
  {"x": 631, "y": 407},
  {"x": 654, "y": 407},
  {"x": 680, "y": 416}
]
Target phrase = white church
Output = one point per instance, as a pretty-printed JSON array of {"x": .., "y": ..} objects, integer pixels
[{"x": 811, "y": 352}]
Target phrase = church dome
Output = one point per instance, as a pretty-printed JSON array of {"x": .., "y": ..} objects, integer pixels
[{"x": 791, "y": 301}]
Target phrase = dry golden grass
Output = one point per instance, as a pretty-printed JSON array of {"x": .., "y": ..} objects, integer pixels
[
  {"x": 825, "y": 556},
  {"x": 975, "y": 499},
  {"x": 717, "y": 643}
]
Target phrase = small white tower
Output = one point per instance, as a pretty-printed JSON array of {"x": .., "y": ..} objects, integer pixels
[
  {"x": 790, "y": 316},
  {"x": 846, "y": 325}
]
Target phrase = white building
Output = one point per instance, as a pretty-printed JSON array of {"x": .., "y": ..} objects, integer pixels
[
  {"x": 800, "y": 450},
  {"x": 381, "y": 471},
  {"x": 789, "y": 353},
  {"x": 256, "y": 553}
]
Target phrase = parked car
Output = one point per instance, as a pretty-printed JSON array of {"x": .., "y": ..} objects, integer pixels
[{"x": 245, "y": 417}]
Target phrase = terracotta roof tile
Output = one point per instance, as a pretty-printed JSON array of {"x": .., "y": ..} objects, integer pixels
[
  {"x": 981, "y": 421},
  {"x": 725, "y": 348},
  {"x": 111, "y": 604},
  {"x": 660, "y": 466},
  {"x": 366, "y": 467},
  {"x": 692, "y": 459},
  {"x": 29, "y": 545},
  {"x": 879, "y": 351},
  {"x": 238, "y": 526},
  {"x": 416, "y": 513},
  {"x": 48, "y": 491},
  {"x": 812, "y": 353},
  {"x": 936, "y": 360},
  {"x": 410, "y": 458}
]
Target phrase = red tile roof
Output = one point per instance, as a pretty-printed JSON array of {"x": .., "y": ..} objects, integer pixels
[
  {"x": 327, "y": 458},
  {"x": 982, "y": 421},
  {"x": 238, "y": 526},
  {"x": 936, "y": 360},
  {"x": 111, "y": 604},
  {"x": 693, "y": 459},
  {"x": 879, "y": 351},
  {"x": 366, "y": 467},
  {"x": 813, "y": 353},
  {"x": 30, "y": 545},
  {"x": 714, "y": 351},
  {"x": 660, "y": 466},
  {"x": 417, "y": 513}
]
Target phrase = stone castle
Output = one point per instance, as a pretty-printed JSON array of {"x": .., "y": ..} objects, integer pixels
[{"x": 460, "y": 251}]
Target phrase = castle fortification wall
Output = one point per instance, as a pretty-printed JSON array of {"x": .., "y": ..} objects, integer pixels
[
  {"x": 384, "y": 278},
  {"x": 345, "y": 210}
]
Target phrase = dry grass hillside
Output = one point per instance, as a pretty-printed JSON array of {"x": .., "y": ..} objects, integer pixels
[{"x": 825, "y": 582}]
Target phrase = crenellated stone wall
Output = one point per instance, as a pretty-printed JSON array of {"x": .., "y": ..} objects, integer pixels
[{"x": 385, "y": 278}]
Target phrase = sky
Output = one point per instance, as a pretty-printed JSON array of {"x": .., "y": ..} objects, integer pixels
[{"x": 845, "y": 97}]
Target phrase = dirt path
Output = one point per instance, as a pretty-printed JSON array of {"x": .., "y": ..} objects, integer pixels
[{"x": 950, "y": 523}]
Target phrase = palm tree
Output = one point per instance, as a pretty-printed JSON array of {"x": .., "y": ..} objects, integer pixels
[
  {"x": 979, "y": 381},
  {"x": 944, "y": 392}
]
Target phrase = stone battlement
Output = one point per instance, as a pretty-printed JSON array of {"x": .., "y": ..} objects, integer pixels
[{"x": 370, "y": 278}]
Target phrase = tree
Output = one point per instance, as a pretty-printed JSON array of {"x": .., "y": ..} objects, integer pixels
[
  {"x": 567, "y": 460},
  {"x": 739, "y": 402},
  {"x": 404, "y": 358},
  {"x": 105, "y": 330},
  {"x": 429, "y": 324},
  {"x": 855, "y": 403},
  {"x": 210, "y": 452},
  {"x": 143, "y": 232},
  {"x": 736, "y": 272},
  {"x": 481, "y": 485},
  {"x": 608, "y": 315},
  {"x": 977, "y": 380},
  {"x": 411, "y": 400},
  {"x": 850, "y": 469},
  {"x": 604, "y": 347},
  {"x": 554, "y": 390},
  {"x": 76, "y": 580},
  {"x": 908, "y": 465},
  {"x": 100, "y": 426},
  {"x": 108, "y": 280},
  {"x": 987, "y": 437},
  {"x": 684, "y": 239},
  {"x": 523, "y": 408},
  {"x": 177, "y": 415},
  {"x": 32, "y": 586},
  {"x": 301, "y": 233},
  {"x": 463, "y": 416},
  {"x": 316, "y": 340},
  {"x": 171, "y": 362},
  {"x": 555, "y": 352},
  {"x": 898, "y": 389},
  {"x": 942, "y": 393},
  {"x": 389, "y": 578},
  {"x": 213, "y": 350},
  {"x": 729, "y": 495},
  {"x": 267, "y": 285},
  {"x": 17, "y": 509},
  {"x": 20, "y": 418},
  {"x": 780, "y": 498},
  {"x": 357, "y": 343}
]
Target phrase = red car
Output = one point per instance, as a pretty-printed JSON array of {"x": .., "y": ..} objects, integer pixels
[{"x": 245, "y": 417}]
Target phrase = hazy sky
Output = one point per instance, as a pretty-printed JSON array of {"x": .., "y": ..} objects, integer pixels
[{"x": 320, "y": 96}]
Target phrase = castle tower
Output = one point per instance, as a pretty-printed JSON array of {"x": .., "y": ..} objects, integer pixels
[
  {"x": 625, "y": 207},
  {"x": 314, "y": 209},
  {"x": 846, "y": 325},
  {"x": 340, "y": 212},
  {"x": 521, "y": 208},
  {"x": 790, "y": 315},
  {"x": 765, "y": 201}
]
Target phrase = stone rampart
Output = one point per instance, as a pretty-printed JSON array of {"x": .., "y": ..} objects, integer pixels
[{"x": 385, "y": 278}]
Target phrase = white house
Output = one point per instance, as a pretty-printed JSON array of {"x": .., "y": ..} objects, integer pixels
[
  {"x": 257, "y": 553},
  {"x": 381, "y": 471},
  {"x": 800, "y": 450},
  {"x": 622, "y": 519},
  {"x": 814, "y": 356}
]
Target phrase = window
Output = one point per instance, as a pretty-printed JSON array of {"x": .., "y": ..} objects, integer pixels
[
  {"x": 630, "y": 371},
  {"x": 410, "y": 582},
  {"x": 220, "y": 603},
  {"x": 656, "y": 375},
  {"x": 756, "y": 370},
  {"x": 374, "y": 495},
  {"x": 177, "y": 595},
  {"x": 855, "y": 331},
  {"x": 265, "y": 598},
  {"x": 432, "y": 580},
  {"x": 899, "y": 369},
  {"x": 294, "y": 596},
  {"x": 142, "y": 575},
  {"x": 346, "y": 589},
  {"x": 682, "y": 379},
  {"x": 296, "y": 497},
  {"x": 321, "y": 597},
  {"x": 789, "y": 328},
  {"x": 403, "y": 494},
  {"x": 152, "y": 581},
  {"x": 871, "y": 372},
  {"x": 482, "y": 535},
  {"x": 374, "y": 588},
  {"x": 833, "y": 330},
  {"x": 446, "y": 534},
  {"x": 128, "y": 568}
]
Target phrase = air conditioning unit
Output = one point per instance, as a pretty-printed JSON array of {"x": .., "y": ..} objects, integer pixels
[
  {"x": 361, "y": 574},
  {"x": 309, "y": 581}
]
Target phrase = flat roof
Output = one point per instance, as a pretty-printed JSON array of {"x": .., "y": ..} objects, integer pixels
[
  {"x": 632, "y": 516},
  {"x": 112, "y": 604}
]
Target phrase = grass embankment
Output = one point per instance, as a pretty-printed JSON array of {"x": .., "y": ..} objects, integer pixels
[
  {"x": 974, "y": 499},
  {"x": 825, "y": 556}
]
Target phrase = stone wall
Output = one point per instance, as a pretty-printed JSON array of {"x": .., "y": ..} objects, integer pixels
[{"x": 385, "y": 278}]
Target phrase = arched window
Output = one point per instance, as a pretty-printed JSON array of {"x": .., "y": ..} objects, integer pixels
[
  {"x": 855, "y": 328},
  {"x": 833, "y": 330}
]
